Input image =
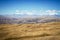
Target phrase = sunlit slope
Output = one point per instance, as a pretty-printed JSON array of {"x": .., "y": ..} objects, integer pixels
[{"x": 37, "y": 31}]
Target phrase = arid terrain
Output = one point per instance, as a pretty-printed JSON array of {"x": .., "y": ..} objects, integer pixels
[
  {"x": 29, "y": 19},
  {"x": 33, "y": 31}
]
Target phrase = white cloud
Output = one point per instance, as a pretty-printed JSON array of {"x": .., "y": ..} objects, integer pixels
[
  {"x": 36, "y": 12},
  {"x": 29, "y": 13},
  {"x": 51, "y": 12},
  {"x": 17, "y": 12}
]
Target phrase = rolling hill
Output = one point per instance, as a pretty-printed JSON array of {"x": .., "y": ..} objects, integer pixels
[
  {"x": 30, "y": 28},
  {"x": 36, "y": 31}
]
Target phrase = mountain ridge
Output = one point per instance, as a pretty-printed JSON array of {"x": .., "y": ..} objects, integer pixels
[{"x": 28, "y": 19}]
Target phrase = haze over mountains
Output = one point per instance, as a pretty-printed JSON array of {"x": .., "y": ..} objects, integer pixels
[{"x": 17, "y": 19}]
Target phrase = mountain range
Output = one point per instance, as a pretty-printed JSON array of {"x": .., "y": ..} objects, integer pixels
[{"x": 28, "y": 19}]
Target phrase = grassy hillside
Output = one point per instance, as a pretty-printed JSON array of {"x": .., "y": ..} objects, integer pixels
[{"x": 34, "y": 31}]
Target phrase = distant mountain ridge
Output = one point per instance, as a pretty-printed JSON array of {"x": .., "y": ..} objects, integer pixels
[{"x": 29, "y": 19}]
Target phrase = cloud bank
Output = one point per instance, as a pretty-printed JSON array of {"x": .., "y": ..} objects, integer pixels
[{"x": 37, "y": 12}]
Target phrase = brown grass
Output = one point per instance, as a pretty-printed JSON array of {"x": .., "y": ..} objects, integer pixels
[{"x": 29, "y": 31}]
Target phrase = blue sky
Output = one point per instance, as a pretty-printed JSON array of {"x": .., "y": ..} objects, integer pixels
[{"x": 30, "y": 7}]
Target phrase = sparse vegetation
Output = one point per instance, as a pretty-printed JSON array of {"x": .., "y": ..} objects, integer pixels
[{"x": 35, "y": 31}]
